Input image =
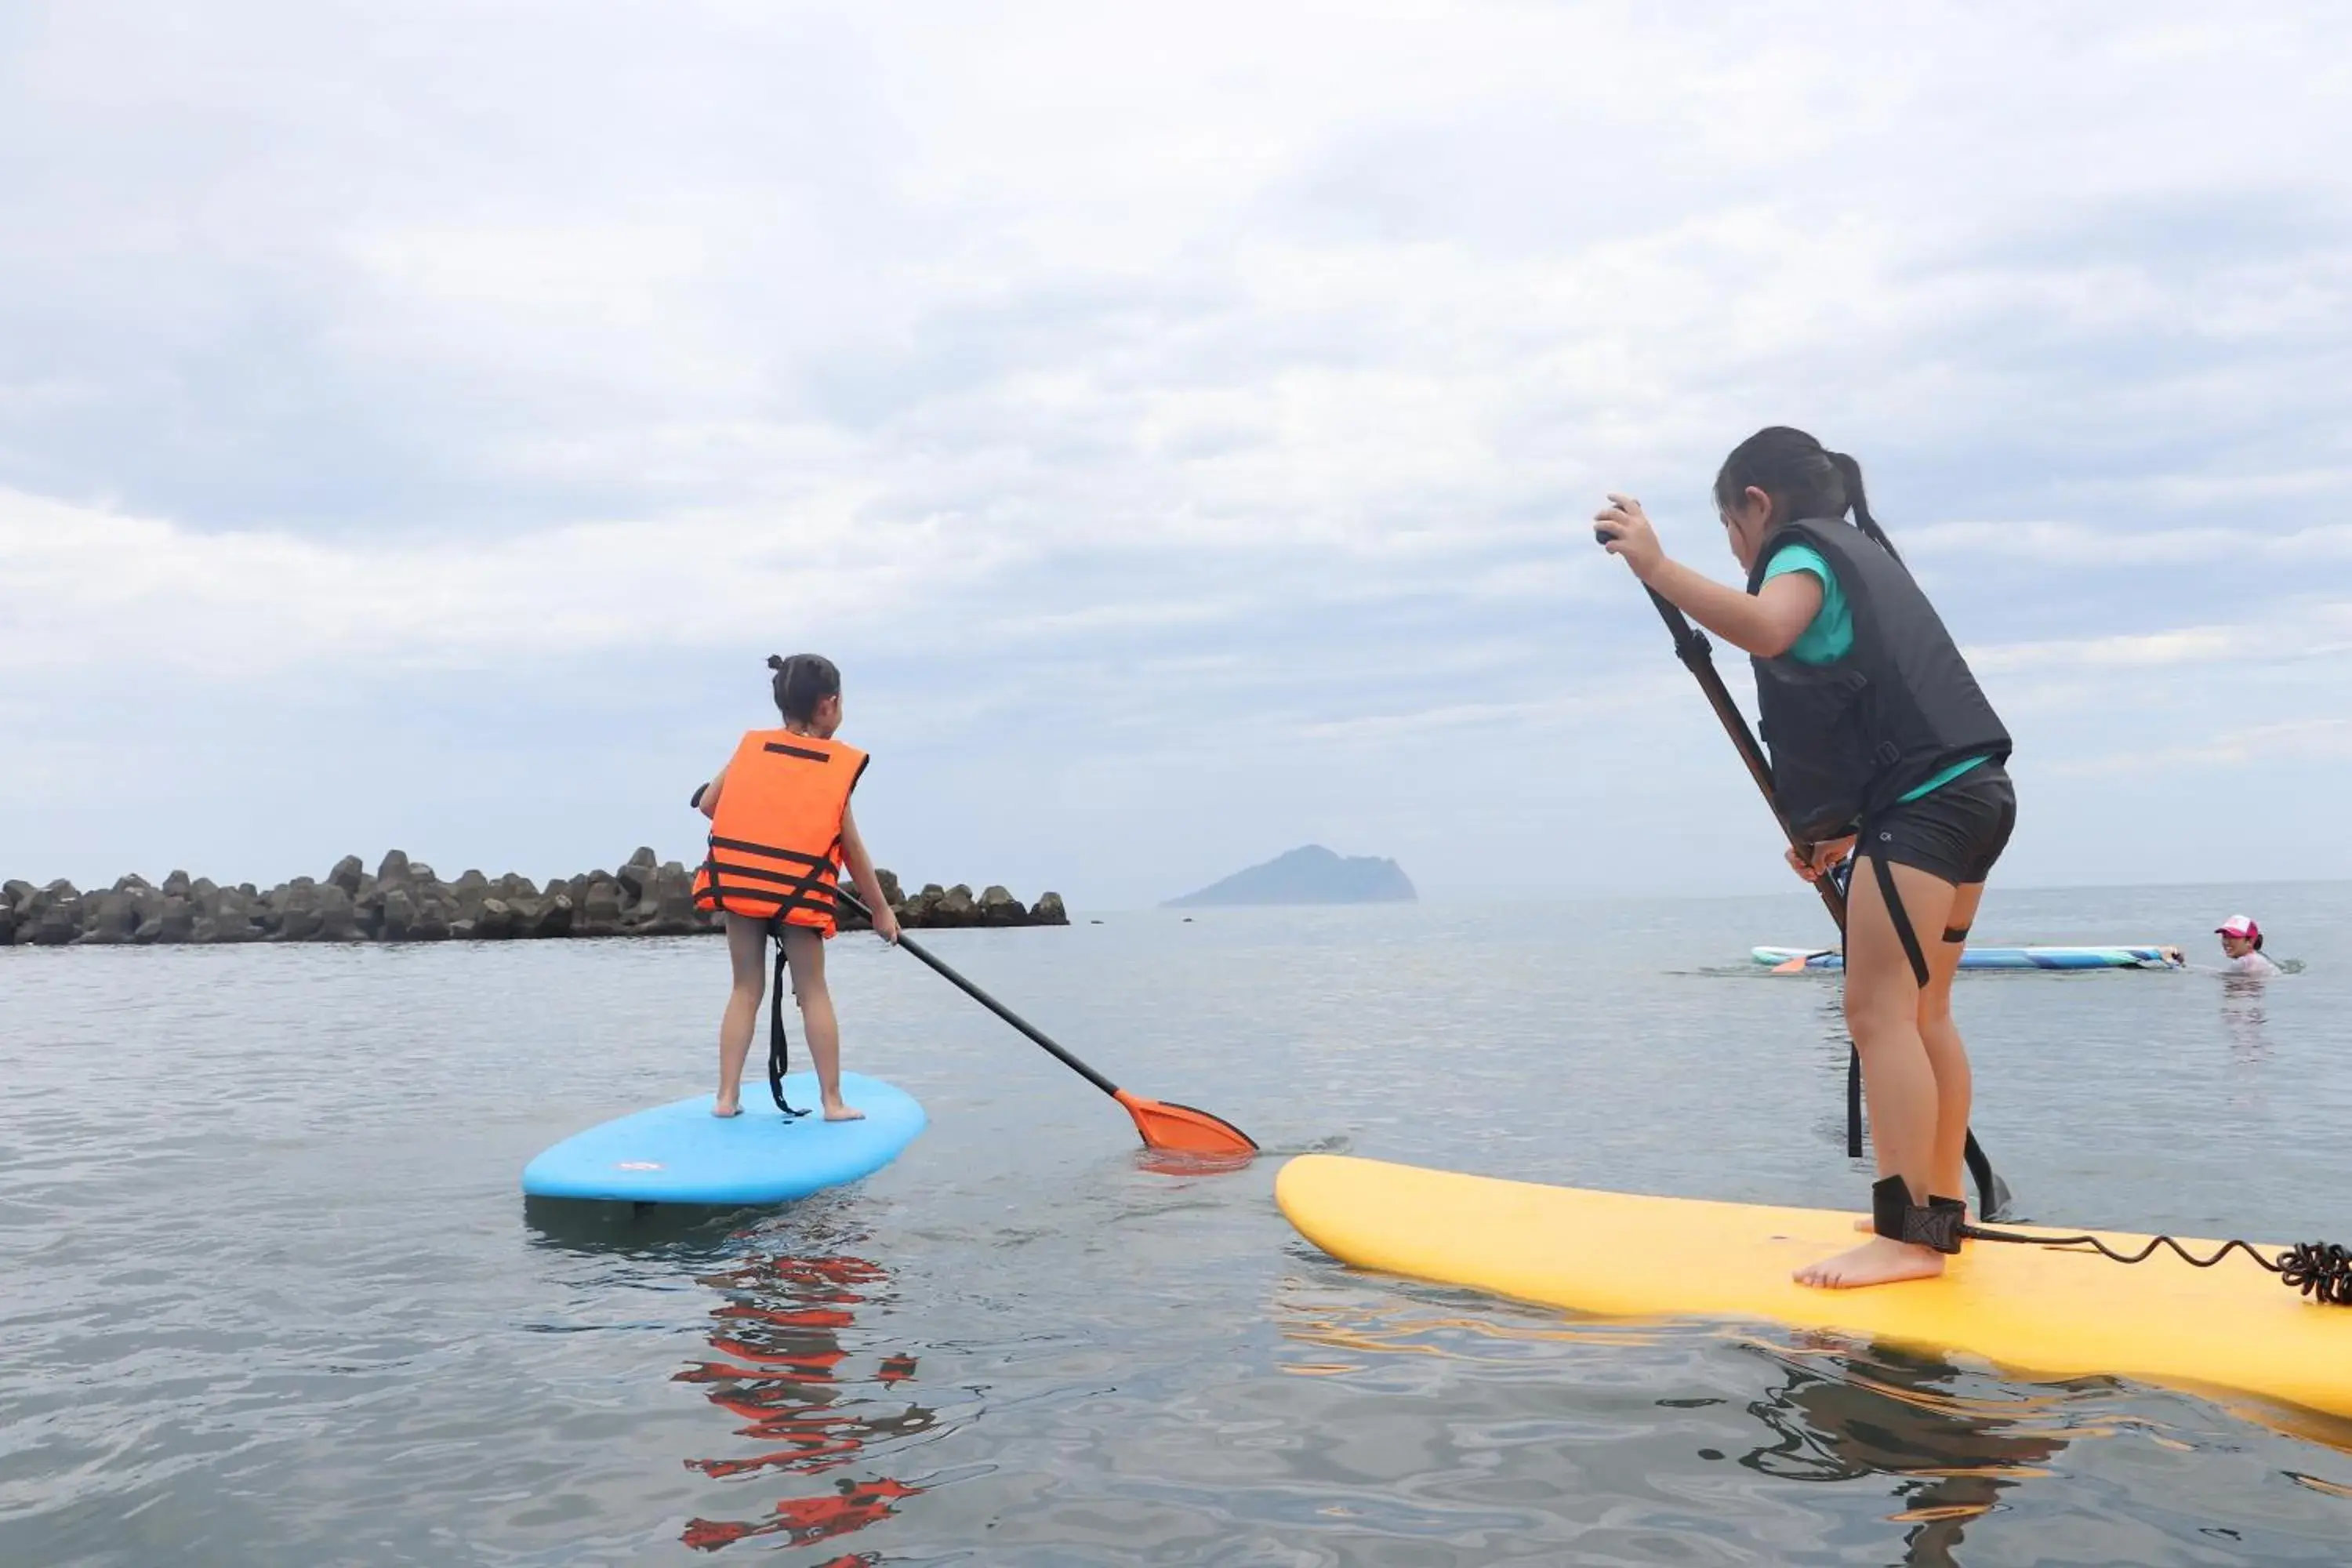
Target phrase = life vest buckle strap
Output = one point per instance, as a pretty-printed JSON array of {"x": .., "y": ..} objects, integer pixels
[
  {"x": 714, "y": 892},
  {"x": 800, "y": 751},
  {"x": 773, "y": 852},
  {"x": 822, "y": 877}
]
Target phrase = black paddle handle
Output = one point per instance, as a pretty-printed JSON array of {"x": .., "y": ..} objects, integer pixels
[{"x": 1036, "y": 1036}]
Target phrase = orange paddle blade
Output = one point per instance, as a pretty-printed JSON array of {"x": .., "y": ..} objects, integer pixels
[
  {"x": 1790, "y": 965},
  {"x": 1181, "y": 1130}
]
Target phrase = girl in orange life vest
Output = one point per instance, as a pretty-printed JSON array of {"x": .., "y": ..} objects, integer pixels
[
  {"x": 779, "y": 828},
  {"x": 1876, "y": 728}
]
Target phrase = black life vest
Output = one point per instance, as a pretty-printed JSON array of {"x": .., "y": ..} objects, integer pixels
[{"x": 1850, "y": 738}]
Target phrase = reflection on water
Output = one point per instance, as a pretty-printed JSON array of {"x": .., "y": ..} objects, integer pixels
[
  {"x": 784, "y": 1360},
  {"x": 1837, "y": 1411},
  {"x": 2244, "y": 1017},
  {"x": 1891, "y": 1414},
  {"x": 1943, "y": 1448},
  {"x": 781, "y": 1368},
  {"x": 280, "y": 1311},
  {"x": 1406, "y": 1330}
]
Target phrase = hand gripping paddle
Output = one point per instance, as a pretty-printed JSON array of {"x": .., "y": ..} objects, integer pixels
[{"x": 1167, "y": 1127}]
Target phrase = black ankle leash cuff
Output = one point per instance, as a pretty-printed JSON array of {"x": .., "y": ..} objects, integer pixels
[{"x": 1937, "y": 1223}]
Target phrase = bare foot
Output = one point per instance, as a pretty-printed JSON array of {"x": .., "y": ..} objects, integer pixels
[
  {"x": 1878, "y": 1261},
  {"x": 722, "y": 1109},
  {"x": 836, "y": 1111}
]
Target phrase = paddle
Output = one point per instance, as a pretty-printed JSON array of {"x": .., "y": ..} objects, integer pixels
[
  {"x": 1698, "y": 656},
  {"x": 1165, "y": 1126}
]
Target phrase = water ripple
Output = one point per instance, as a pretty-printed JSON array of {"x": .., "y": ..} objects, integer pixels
[{"x": 271, "y": 1296}]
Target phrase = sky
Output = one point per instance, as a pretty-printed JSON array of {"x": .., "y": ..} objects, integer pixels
[{"x": 418, "y": 424}]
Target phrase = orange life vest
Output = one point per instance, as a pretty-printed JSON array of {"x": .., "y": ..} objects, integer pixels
[{"x": 776, "y": 840}]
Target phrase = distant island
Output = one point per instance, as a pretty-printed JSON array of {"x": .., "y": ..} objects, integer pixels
[{"x": 1312, "y": 875}]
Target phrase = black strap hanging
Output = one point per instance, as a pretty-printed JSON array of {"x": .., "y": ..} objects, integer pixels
[
  {"x": 1903, "y": 931},
  {"x": 778, "y": 1044}
]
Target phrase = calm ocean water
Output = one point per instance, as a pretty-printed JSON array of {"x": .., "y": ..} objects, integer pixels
[{"x": 269, "y": 1294}]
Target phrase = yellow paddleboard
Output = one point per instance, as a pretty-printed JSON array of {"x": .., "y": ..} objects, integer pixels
[{"x": 2031, "y": 1310}]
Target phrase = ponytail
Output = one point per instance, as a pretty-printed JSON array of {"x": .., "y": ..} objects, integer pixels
[
  {"x": 1804, "y": 478},
  {"x": 801, "y": 682},
  {"x": 1850, "y": 478}
]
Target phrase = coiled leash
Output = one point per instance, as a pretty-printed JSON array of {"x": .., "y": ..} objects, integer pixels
[
  {"x": 778, "y": 1043},
  {"x": 2319, "y": 1270}
]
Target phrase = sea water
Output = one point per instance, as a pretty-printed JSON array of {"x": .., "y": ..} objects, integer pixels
[{"x": 269, "y": 1294}]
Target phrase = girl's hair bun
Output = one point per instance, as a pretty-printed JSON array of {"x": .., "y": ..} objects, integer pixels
[{"x": 801, "y": 682}]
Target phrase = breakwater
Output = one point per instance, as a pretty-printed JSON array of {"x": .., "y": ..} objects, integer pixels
[{"x": 403, "y": 901}]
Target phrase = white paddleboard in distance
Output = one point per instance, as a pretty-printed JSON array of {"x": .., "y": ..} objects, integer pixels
[{"x": 2139, "y": 956}]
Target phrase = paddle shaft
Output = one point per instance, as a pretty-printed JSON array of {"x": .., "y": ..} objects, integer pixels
[
  {"x": 1036, "y": 1036},
  {"x": 1698, "y": 656}
]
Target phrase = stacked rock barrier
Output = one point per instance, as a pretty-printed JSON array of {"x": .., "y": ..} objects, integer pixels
[{"x": 403, "y": 901}]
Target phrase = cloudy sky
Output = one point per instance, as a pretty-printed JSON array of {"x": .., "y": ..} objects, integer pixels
[{"x": 418, "y": 423}]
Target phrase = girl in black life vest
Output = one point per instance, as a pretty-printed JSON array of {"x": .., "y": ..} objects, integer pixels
[
  {"x": 1876, "y": 730},
  {"x": 780, "y": 829}
]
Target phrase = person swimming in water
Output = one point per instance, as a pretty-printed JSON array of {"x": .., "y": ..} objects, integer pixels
[
  {"x": 1912, "y": 779},
  {"x": 781, "y": 828},
  {"x": 2241, "y": 944}
]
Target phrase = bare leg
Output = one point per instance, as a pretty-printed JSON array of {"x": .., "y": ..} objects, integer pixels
[
  {"x": 746, "y": 952},
  {"x": 805, "y": 950},
  {"x": 1948, "y": 1059},
  {"x": 1882, "y": 1011}
]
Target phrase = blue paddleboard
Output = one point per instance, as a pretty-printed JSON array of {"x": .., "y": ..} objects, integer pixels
[{"x": 680, "y": 1154}]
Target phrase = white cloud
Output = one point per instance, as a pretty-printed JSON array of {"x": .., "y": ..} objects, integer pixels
[
  {"x": 2292, "y": 631},
  {"x": 1617, "y": 701},
  {"x": 1116, "y": 372},
  {"x": 81, "y": 586},
  {"x": 2307, "y": 740},
  {"x": 2256, "y": 540},
  {"x": 2121, "y": 651}
]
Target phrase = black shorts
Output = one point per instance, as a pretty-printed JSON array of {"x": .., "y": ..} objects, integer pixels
[{"x": 1955, "y": 833}]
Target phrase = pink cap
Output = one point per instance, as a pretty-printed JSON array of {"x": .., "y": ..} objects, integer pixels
[{"x": 2239, "y": 925}]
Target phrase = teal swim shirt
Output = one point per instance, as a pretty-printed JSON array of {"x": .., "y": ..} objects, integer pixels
[{"x": 1829, "y": 637}]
